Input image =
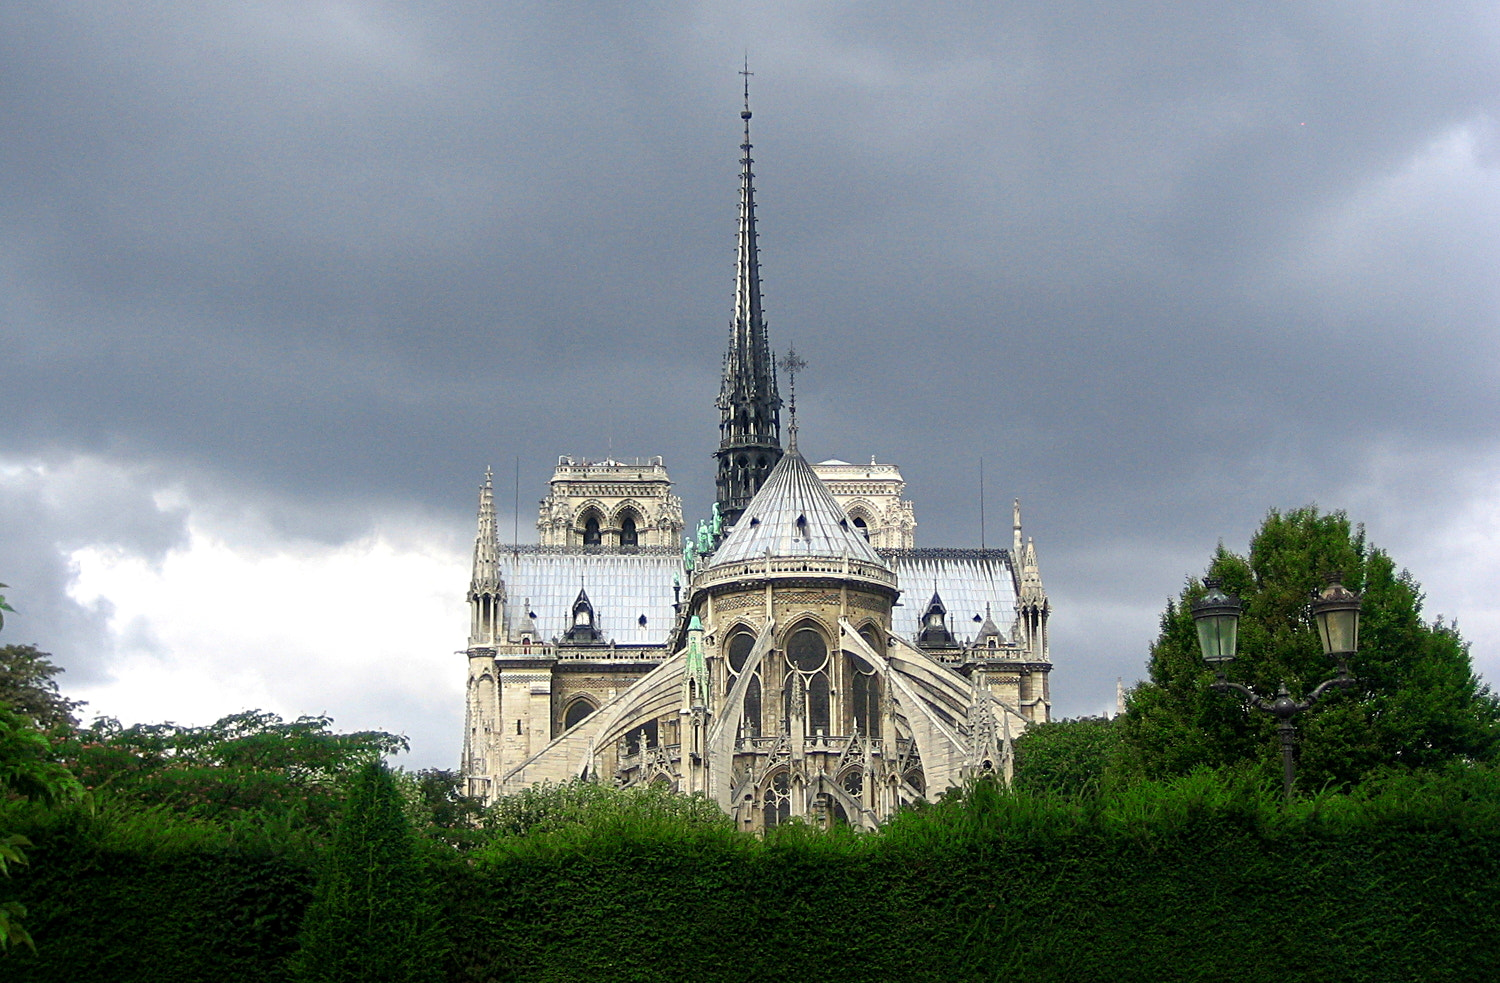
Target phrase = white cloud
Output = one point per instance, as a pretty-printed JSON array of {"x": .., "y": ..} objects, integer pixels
[{"x": 238, "y": 618}]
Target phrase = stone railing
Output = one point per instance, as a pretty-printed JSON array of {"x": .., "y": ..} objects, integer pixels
[
  {"x": 609, "y": 653},
  {"x": 791, "y": 567}
]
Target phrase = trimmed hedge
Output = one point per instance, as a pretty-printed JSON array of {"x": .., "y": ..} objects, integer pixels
[
  {"x": 148, "y": 896},
  {"x": 1196, "y": 880}
]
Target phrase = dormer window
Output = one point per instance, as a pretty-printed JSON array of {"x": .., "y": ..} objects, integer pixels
[
  {"x": 801, "y": 525},
  {"x": 584, "y": 629},
  {"x": 935, "y": 633}
]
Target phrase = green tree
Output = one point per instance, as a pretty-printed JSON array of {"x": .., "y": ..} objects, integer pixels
[
  {"x": 584, "y": 805},
  {"x": 372, "y": 919},
  {"x": 1418, "y": 703},
  {"x": 28, "y": 768},
  {"x": 27, "y": 684},
  {"x": 437, "y": 805},
  {"x": 1066, "y": 757},
  {"x": 251, "y": 762}
]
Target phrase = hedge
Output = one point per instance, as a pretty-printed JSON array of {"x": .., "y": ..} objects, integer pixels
[{"x": 1194, "y": 881}]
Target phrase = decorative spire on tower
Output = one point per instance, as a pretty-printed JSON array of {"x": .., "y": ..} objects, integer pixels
[
  {"x": 486, "y": 588},
  {"x": 749, "y": 408}
]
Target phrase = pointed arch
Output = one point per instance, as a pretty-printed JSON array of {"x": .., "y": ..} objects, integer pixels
[
  {"x": 578, "y": 709},
  {"x": 588, "y": 523},
  {"x": 629, "y": 520}
]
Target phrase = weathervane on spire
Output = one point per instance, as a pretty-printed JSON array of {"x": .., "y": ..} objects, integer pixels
[{"x": 791, "y": 363}]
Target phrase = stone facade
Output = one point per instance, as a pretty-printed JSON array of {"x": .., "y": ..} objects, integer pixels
[
  {"x": 870, "y": 495},
  {"x": 609, "y": 503}
]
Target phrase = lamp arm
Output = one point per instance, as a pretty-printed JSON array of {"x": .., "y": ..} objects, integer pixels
[
  {"x": 1341, "y": 681},
  {"x": 1253, "y": 698}
]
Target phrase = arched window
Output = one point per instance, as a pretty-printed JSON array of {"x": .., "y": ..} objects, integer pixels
[
  {"x": 576, "y": 712},
  {"x": 864, "y": 695},
  {"x": 739, "y": 650},
  {"x": 862, "y": 526},
  {"x": 806, "y": 650},
  {"x": 817, "y": 704},
  {"x": 777, "y": 800},
  {"x": 591, "y": 531},
  {"x": 751, "y": 721},
  {"x": 740, "y": 645},
  {"x": 627, "y": 531}
]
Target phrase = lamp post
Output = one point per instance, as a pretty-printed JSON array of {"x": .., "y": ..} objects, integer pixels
[{"x": 1336, "y": 613}]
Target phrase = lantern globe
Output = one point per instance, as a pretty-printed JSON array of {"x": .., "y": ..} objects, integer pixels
[
  {"x": 1336, "y": 613},
  {"x": 1217, "y": 616}
]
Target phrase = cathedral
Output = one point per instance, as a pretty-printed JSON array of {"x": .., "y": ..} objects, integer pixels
[{"x": 798, "y": 655}]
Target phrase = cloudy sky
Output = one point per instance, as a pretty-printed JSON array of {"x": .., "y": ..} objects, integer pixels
[{"x": 279, "y": 279}]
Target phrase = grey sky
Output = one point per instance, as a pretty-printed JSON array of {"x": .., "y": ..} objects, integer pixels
[{"x": 1162, "y": 265}]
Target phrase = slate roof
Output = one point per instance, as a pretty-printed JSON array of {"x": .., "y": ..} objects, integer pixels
[
  {"x": 793, "y": 514},
  {"x": 621, "y": 586},
  {"x": 967, "y": 580}
]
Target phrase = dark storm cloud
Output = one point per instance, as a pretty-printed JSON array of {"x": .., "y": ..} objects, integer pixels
[{"x": 1136, "y": 256}]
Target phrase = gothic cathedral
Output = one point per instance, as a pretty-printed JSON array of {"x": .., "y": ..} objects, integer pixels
[{"x": 783, "y": 662}]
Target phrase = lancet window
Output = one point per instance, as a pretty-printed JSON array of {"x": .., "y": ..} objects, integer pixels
[
  {"x": 807, "y": 685},
  {"x": 740, "y": 645},
  {"x": 776, "y": 799}
]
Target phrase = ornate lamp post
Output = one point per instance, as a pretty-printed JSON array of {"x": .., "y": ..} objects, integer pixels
[{"x": 1336, "y": 612}]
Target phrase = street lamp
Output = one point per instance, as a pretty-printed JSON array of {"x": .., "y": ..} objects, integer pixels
[{"x": 1336, "y": 613}]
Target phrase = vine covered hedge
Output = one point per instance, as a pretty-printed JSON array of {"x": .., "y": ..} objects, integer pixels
[{"x": 1204, "y": 877}]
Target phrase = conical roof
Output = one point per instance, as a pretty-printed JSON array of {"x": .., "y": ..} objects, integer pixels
[{"x": 793, "y": 514}]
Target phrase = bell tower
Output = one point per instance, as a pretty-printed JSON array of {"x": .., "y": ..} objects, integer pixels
[{"x": 749, "y": 408}]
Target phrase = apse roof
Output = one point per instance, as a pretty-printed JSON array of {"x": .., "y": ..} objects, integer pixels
[{"x": 793, "y": 514}]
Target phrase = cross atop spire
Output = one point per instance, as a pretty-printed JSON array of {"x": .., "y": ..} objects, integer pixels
[
  {"x": 791, "y": 363},
  {"x": 749, "y": 407},
  {"x": 747, "y": 73}
]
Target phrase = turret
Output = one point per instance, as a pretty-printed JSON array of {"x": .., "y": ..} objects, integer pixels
[{"x": 486, "y": 588}]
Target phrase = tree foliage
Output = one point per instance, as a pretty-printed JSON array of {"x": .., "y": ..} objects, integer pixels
[
  {"x": 1418, "y": 703},
  {"x": 250, "y": 762},
  {"x": 372, "y": 919},
  {"x": 27, "y": 684},
  {"x": 1066, "y": 757},
  {"x": 581, "y": 805}
]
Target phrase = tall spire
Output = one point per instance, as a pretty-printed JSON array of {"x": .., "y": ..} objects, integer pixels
[
  {"x": 749, "y": 408},
  {"x": 486, "y": 589}
]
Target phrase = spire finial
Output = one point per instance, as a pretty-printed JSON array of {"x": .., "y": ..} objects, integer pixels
[
  {"x": 791, "y": 363},
  {"x": 745, "y": 114}
]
